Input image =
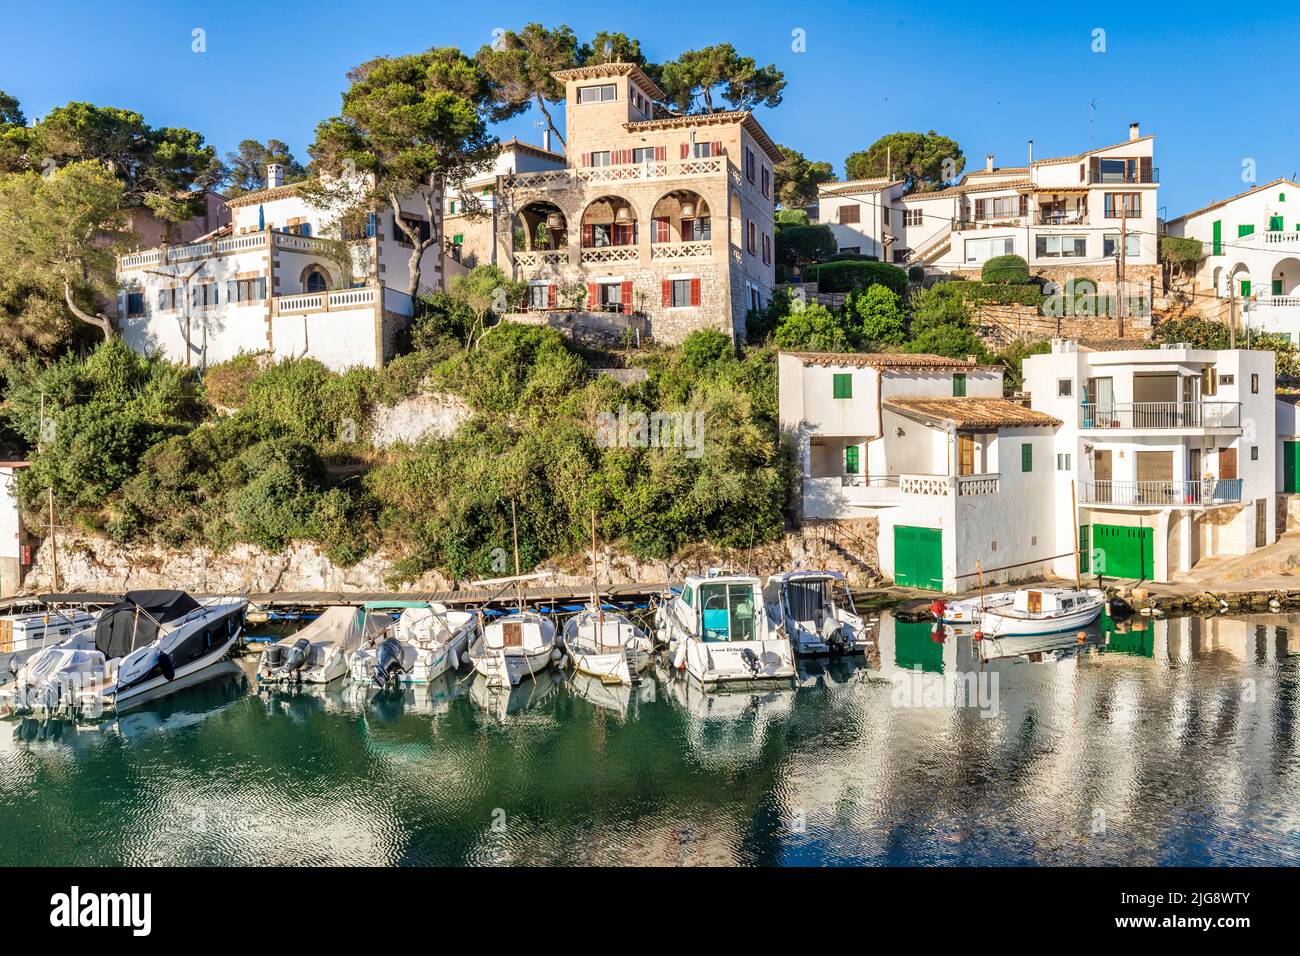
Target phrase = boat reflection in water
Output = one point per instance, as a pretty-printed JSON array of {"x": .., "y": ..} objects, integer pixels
[
  {"x": 728, "y": 726},
  {"x": 621, "y": 699},
  {"x": 528, "y": 695},
  {"x": 169, "y": 710},
  {"x": 432, "y": 698}
]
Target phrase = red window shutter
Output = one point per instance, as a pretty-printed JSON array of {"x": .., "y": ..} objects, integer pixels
[
  {"x": 695, "y": 292},
  {"x": 686, "y": 150},
  {"x": 625, "y": 293},
  {"x": 551, "y": 293},
  {"x": 586, "y": 159},
  {"x": 593, "y": 295},
  {"x": 587, "y": 236},
  {"x": 716, "y": 150},
  {"x": 661, "y": 153},
  {"x": 662, "y": 229},
  {"x": 667, "y": 294}
]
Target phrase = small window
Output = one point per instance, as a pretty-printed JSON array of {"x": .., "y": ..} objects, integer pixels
[
  {"x": 851, "y": 459},
  {"x": 601, "y": 158},
  {"x": 1227, "y": 379},
  {"x": 603, "y": 93},
  {"x": 1254, "y": 384},
  {"x": 1064, "y": 387},
  {"x": 850, "y": 213},
  {"x": 1254, "y": 453},
  {"x": 680, "y": 294},
  {"x": 1063, "y": 461},
  {"x": 959, "y": 385},
  {"x": 688, "y": 595},
  {"x": 134, "y": 304},
  {"x": 1026, "y": 457},
  {"x": 843, "y": 385}
]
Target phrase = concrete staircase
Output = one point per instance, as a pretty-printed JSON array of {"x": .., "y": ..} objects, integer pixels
[{"x": 1279, "y": 559}]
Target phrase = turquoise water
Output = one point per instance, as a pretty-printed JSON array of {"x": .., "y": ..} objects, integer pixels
[{"x": 1167, "y": 743}]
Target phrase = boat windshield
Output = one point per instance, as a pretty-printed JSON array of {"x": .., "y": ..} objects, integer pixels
[
  {"x": 810, "y": 599},
  {"x": 728, "y": 612}
]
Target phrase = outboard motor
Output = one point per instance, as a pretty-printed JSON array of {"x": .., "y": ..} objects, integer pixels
[
  {"x": 836, "y": 636},
  {"x": 388, "y": 662},
  {"x": 750, "y": 660},
  {"x": 297, "y": 657}
]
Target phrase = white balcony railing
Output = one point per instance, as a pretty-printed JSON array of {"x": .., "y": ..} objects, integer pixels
[
  {"x": 1146, "y": 494},
  {"x": 324, "y": 301},
  {"x": 627, "y": 172},
  {"x": 211, "y": 247},
  {"x": 701, "y": 249},
  {"x": 968, "y": 485}
]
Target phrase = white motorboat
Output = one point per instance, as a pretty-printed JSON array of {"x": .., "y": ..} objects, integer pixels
[
  {"x": 426, "y": 641},
  {"x": 145, "y": 642},
  {"x": 967, "y": 610},
  {"x": 606, "y": 645},
  {"x": 816, "y": 612},
  {"x": 717, "y": 630},
  {"x": 1042, "y": 611},
  {"x": 22, "y": 635},
  {"x": 319, "y": 653},
  {"x": 510, "y": 648}
]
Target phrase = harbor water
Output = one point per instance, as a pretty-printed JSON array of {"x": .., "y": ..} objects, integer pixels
[{"x": 1158, "y": 742}]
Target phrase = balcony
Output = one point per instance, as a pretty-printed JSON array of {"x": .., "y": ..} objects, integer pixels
[
  {"x": 1129, "y": 177},
  {"x": 541, "y": 258},
  {"x": 1202, "y": 493},
  {"x": 394, "y": 300},
  {"x": 700, "y": 249},
  {"x": 1061, "y": 218},
  {"x": 623, "y": 173},
  {"x": 217, "y": 247},
  {"x": 1160, "y": 415},
  {"x": 948, "y": 486}
]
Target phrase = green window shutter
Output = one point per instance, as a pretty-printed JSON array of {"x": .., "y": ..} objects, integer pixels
[
  {"x": 851, "y": 460},
  {"x": 1275, "y": 224},
  {"x": 1245, "y": 288},
  {"x": 1218, "y": 237},
  {"x": 1245, "y": 230},
  {"x": 843, "y": 385},
  {"x": 1277, "y": 286},
  {"x": 959, "y": 384},
  {"x": 1026, "y": 457},
  {"x": 458, "y": 239}
]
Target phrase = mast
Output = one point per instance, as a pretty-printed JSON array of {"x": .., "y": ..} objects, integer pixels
[
  {"x": 514, "y": 530},
  {"x": 54, "y": 546}
]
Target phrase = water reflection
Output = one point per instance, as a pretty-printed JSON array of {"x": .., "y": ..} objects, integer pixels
[{"x": 1147, "y": 742}]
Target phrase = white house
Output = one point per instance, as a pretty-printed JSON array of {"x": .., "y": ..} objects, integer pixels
[
  {"x": 15, "y": 551},
  {"x": 1067, "y": 216},
  {"x": 1169, "y": 454},
  {"x": 1252, "y": 252},
  {"x": 957, "y": 477},
  {"x": 283, "y": 277}
]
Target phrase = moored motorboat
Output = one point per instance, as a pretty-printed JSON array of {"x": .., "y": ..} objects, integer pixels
[
  {"x": 146, "y": 641},
  {"x": 717, "y": 630},
  {"x": 319, "y": 652},
  {"x": 425, "y": 641},
  {"x": 510, "y": 648},
  {"x": 22, "y": 635},
  {"x": 1042, "y": 611},
  {"x": 606, "y": 645},
  {"x": 816, "y": 612}
]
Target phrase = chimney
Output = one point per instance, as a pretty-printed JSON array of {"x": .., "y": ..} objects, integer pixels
[
  {"x": 1031, "y": 152},
  {"x": 274, "y": 175},
  {"x": 1133, "y": 132},
  {"x": 546, "y": 140},
  {"x": 988, "y": 163}
]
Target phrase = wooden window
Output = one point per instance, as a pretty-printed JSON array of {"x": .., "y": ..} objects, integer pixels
[
  {"x": 767, "y": 182},
  {"x": 512, "y": 634},
  {"x": 850, "y": 213},
  {"x": 959, "y": 385},
  {"x": 246, "y": 290},
  {"x": 965, "y": 454},
  {"x": 842, "y": 385},
  {"x": 1026, "y": 457},
  {"x": 767, "y": 249},
  {"x": 749, "y": 164},
  {"x": 134, "y": 304},
  {"x": 751, "y": 235},
  {"x": 1155, "y": 465},
  {"x": 1120, "y": 205}
]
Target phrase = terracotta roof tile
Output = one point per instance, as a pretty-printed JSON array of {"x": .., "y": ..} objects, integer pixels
[
  {"x": 885, "y": 360},
  {"x": 972, "y": 412}
]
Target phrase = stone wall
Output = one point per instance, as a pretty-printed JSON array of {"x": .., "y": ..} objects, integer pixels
[
  {"x": 999, "y": 325},
  {"x": 92, "y": 563}
]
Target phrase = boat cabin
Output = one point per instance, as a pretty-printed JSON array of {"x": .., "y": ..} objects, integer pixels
[
  {"x": 1048, "y": 602},
  {"x": 722, "y": 608},
  {"x": 808, "y": 597}
]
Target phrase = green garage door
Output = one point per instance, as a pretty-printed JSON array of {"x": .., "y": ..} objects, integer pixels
[
  {"x": 918, "y": 557},
  {"x": 1124, "y": 552},
  {"x": 1290, "y": 467}
]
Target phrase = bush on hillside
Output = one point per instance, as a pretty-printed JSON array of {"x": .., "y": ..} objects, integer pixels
[{"x": 848, "y": 275}]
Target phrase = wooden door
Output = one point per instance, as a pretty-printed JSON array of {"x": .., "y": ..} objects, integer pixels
[
  {"x": 512, "y": 634},
  {"x": 1034, "y": 602},
  {"x": 1227, "y": 463},
  {"x": 1261, "y": 522},
  {"x": 965, "y": 454}
]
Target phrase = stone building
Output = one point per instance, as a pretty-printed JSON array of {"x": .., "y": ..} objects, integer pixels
[{"x": 655, "y": 217}]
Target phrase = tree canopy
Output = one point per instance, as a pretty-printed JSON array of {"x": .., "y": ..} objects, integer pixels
[
  {"x": 245, "y": 168},
  {"x": 797, "y": 178},
  {"x": 518, "y": 66},
  {"x": 698, "y": 79},
  {"x": 924, "y": 161}
]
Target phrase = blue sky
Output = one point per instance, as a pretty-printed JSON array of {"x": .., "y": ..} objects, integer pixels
[{"x": 1214, "y": 83}]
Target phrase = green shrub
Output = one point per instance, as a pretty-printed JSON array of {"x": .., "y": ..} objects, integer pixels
[
  {"x": 1005, "y": 270},
  {"x": 848, "y": 275},
  {"x": 944, "y": 303},
  {"x": 953, "y": 341},
  {"x": 813, "y": 329},
  {"x": 916, "y": 274},
  {"x": 877, "y": 316}
]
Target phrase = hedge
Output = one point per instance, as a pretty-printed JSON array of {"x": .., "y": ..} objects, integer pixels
[
  {"x": 1007, "y": 270},
  {"x": 848, "y": 275}
]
